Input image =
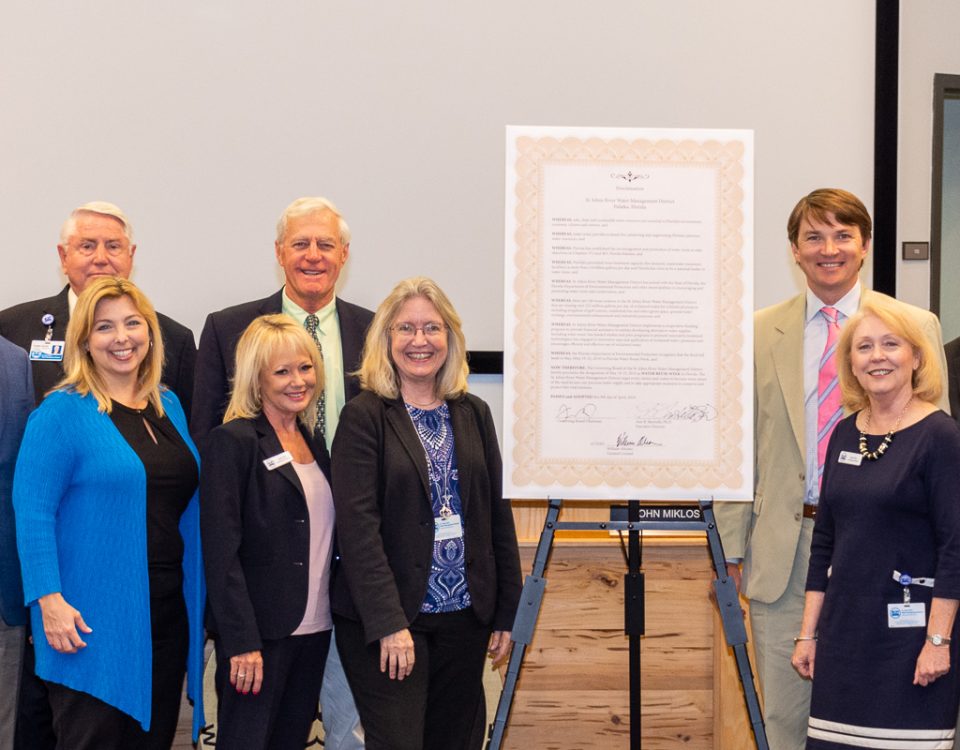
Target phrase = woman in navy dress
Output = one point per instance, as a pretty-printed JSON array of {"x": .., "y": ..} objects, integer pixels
[{"x": 879, "y": 629}]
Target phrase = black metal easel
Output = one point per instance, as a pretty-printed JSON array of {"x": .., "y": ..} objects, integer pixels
[{"x": 632, "y": 518}]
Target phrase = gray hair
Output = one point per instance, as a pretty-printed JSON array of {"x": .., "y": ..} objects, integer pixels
[
  {"x": 100, "y": 208},
  {"x": 307, "y": 206}
]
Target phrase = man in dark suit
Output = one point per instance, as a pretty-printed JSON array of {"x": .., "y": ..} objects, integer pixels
[
  {"x": 952, "y": 350},
  {"x": 96, "y": 240},
  {"x": 312, "y": 246},
  {"x": 16, "y": 401}
]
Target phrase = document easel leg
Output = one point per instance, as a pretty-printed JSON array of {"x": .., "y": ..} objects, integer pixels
[
  {"x": 524, "y": 624},
  {"x": 731, "y": 615},
  {"x": 634, "y": 619},
  {"x": 734, "y": 629}
]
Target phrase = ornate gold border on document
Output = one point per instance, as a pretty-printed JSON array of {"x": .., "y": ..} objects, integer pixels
[{"x": 727, "y": 467}]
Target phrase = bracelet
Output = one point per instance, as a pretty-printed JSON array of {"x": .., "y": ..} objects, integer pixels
[{"x": 804, "y": 638}]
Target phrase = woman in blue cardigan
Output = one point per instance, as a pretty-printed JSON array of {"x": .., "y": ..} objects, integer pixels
[{"x": 105, "y": 496}]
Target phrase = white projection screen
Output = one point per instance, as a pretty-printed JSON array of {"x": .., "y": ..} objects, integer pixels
[{"x": 203, "y": 120}]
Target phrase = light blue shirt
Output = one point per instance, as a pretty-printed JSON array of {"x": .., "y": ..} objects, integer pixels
[
  {"x": 329, "y": 334},
  {"x": 814, "y": 342}
]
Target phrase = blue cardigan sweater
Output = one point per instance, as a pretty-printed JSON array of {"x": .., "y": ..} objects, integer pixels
[{"x": 80, "y": 501}]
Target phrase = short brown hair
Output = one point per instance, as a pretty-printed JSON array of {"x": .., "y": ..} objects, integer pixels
[
  {"x": 81, "y": 372},
  {"x": 846, "y": 208},
  {"x": 927, "y": 378}
]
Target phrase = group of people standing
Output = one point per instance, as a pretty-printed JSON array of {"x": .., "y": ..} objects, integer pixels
[
  {"x": 334, "y": 471},
  {"x": 341, "y": 529}
]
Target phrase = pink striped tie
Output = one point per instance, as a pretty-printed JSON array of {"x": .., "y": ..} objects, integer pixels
[{"x": 829, "y": 409}]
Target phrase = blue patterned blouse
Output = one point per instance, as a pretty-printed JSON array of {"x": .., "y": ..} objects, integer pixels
[{"x": 447, "y": 584}]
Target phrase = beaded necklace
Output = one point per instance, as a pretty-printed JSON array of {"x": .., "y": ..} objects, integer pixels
[{"x": 887, "y": 439}]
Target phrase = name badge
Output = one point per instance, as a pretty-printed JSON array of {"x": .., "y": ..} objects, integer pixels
[
  {"x": 913, "y": 615},
  {"x": 277, "y": 461},
  {"x": 850, "y": 458},
  {"x": 46, "y": 351},
  {"x": 447, "y": 528}
]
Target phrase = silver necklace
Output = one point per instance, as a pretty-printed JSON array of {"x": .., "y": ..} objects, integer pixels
[{"x": 436, "y": 402}]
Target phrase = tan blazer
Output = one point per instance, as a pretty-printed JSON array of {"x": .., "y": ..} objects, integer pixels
[{"x": 765, "y": 534}]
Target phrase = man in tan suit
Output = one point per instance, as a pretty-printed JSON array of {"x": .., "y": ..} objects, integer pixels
[{"x": 829, "y": 232}]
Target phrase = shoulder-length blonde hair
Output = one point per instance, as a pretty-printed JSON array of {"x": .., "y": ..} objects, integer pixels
[
  {"x": 81, "y": 374},
  {"x": 263, "y": 340},
  {"x": 377, "y": 371},
  {"x": 927, "y": 379}
]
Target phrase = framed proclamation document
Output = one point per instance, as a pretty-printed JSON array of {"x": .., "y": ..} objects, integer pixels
[{"x": 628, "y": 343}]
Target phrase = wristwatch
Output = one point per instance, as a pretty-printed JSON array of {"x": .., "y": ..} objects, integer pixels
[{"x": 938, "y": 640}]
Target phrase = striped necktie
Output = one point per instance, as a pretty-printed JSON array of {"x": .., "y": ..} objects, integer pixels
[
  {"x": 312, "y": 323},
  {"x": 829, "y": 407}
]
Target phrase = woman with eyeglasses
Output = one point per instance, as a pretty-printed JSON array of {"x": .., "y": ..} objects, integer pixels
[{"x": 430, "y": 576}]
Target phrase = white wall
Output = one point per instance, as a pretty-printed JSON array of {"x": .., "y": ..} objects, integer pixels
[
  {"x": 203, "y": 120},
  {"x": 928, "y": 45}
]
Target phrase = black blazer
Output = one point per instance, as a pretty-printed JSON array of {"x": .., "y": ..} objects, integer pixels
[
  {"x": 218, "y": 344},
  {"x": 256, "y": 535},
  {"x": 952, "y": 350},
  {"x": 21, "y": 325},
  {"x": 385, "y": 519}
]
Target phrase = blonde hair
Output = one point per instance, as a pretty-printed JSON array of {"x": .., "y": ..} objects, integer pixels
[
  {"x": 926, "y": 380},
  {"x": 377, "y": 371},
  {"x": 263, "y": 339},
  {"x": 81, "y": 371}
]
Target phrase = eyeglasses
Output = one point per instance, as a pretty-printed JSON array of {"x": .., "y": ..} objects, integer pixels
[
  {"x": 89, "y": 247},
  {"x": 409, "y": 330}
]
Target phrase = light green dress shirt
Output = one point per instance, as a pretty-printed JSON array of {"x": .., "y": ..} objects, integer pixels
[{"x": 329, "y": 334}]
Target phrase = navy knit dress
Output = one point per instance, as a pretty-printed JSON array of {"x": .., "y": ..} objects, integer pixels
[{"x": 898, "y": 513}]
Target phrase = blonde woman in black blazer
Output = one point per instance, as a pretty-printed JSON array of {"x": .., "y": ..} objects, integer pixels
[
  {"x": 431, "y": 571},
  {"x": 267, "y": 524}
]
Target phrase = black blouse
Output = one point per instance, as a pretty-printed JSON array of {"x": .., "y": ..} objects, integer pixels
[{"x": 172, "y": 478}]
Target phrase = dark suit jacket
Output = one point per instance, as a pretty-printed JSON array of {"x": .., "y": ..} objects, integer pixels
[
  {"x": 952, "y": 350},
  {"x": 16, "y": 402},
  {"x": 218, "y": 344},
  {"x": 255, "y": 529},
  {"x": 385, "y": 518},
  {"x": 21, "y": 324}
]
